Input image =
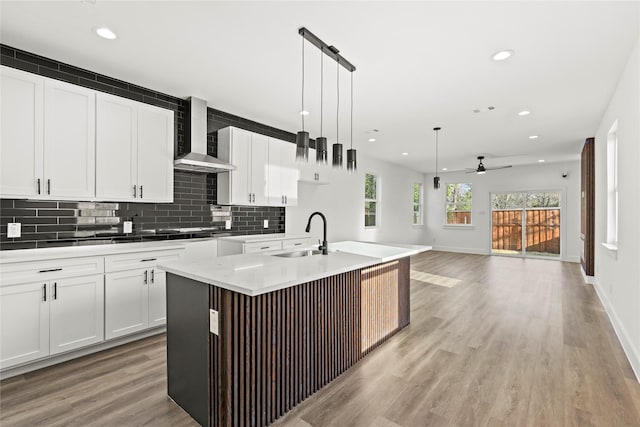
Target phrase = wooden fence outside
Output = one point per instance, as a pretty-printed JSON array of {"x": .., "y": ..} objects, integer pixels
[{"x": 542, "y": 230}]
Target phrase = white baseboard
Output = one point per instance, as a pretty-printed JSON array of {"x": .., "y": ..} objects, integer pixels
[
  {"x": 54, "y": 360},
  {"x": 632, "y": 353},
  {"x": 460, "y": 250},
  {"x": 587, "y": 279},
  {"x": 575, "y": 259}
]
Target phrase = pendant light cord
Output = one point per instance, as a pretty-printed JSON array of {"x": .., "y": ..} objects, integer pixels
[
  {"x": 352, "y": 110},
  {"x": 436, "y": 153},
  {"x": 338, "y": 99},
  {"x": 302, "y": 111},
  {"x": 321, "y": 86}
]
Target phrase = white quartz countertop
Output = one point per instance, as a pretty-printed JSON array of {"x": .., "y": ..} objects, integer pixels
[
  {"x": 25, "y": 255},
  {"x": 254, "y": 238},
  {"x": 255, "y": 274}
]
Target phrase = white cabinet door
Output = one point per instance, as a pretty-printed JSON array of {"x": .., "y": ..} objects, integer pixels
[
  {"x": 157, "y": 297},
  {"x": 276, "y": 157},
  {"x": 155, "y": 154},
  {"x": 259, "y": 169},
  {"x": 21, "y": 144},
  {"x": 24, "y": 323},
  {"x": 69, "y": 141},
  {"x": 234, "y": 146},
  {"x": 289, "y": 173},
  {"x": 126, "y": 302},
  {"x": 76, "y": 313},
  {"x": 313, "y": 173},
  {"x": 116, "y": 148}
]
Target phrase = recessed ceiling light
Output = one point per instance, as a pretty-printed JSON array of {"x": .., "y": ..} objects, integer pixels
[
  {"x": 304, "y": 113},
  {"x": 524, "y": 113},
  {"x": 405, "y": 154},
  {"x": 372, "y": 140},
  {"x": 106, "y": 33},
  {"x": 444, "y": 169},
  {"x": 502, "y": 55},
  {"x": 541, "y": 161},
  {"x": 533, "y": 137}
]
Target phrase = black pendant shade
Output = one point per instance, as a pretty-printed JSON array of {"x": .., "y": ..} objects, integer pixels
[
  {"x": 302, "y": 146},
  {"x": 436, "y": 182},
  {"x": 337, "y": 155},
  {"x": 351, "y": 160},
  {"x": 321, "y": 150}
]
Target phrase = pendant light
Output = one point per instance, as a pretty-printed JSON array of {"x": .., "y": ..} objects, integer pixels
[
  {"x": 436, "y": 179},
  {"x": 321, "y": 141},
  {"x": 337, "y": 147},
  {"x": 302, "y": 137},
  {"x": 351, "y": 153}
]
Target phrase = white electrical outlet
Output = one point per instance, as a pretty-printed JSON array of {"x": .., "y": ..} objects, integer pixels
[
  {"x": 128, "y": 226},
  {"x": 13, "y": 230},
  {"x": 227, "y": 224},
  {"x": 213, "y": 321},
  {"x": 266, "y": 223}
]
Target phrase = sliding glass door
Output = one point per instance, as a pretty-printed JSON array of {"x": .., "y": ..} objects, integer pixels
[{"x": 526, "y": 223}]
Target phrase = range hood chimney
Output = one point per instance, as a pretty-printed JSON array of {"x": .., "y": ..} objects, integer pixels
[{"x": 197, "y": 159}]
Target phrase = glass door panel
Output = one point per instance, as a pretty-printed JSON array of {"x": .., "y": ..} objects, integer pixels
[
  {"x": 506, "y": 219},
  {"x": 543, "y": 224}
]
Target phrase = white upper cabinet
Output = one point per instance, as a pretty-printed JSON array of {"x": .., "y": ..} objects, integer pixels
[
  {"x": 116, "y": 146},
  {"x": 21, "y": 147},
  {"x": 313, "y": 173},
  {"x": 283, "y": 173},
  {"x": 48, "y": 138},
  {"x": 69, "y": 141},
  {"x": 155, "y": 154},
  {"x": 136, "y": 140},
  {"x": 249, "y": 153},
  {"x": 266, "y": 173}
]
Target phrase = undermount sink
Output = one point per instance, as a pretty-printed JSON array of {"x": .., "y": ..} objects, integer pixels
[{"x": 299, "y": 254}]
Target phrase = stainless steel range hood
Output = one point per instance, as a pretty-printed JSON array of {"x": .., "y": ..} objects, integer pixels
[{"x": 197, "y": 159}]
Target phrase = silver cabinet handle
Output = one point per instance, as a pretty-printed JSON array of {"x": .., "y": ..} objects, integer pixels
[
  {"x": 135, "y": 191},
  {"x": 55, "y": 290},
  {"x": 146, "y": 276},
  {"x": 44, "y": 292},
  {"x": 141, "y": 191},
  {"x": 38, "y": 184},
  {"x": 253, "y": 197},
  {"x": 286, "y": 200},
  {"x": 249, "y": 197},
  {"x": 153, "y": 275},
  {"x": 48, "y": 186}
]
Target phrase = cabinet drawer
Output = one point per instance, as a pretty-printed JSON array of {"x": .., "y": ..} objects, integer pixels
[
  {"x": 139, "y": 260},
  {"x": 293, "y": 243},
  {"x": 35, "y": 271},
  {"x": 251, "y": 248}
]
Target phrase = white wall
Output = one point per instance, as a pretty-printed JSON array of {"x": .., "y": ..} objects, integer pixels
[
  {"x": 617, "y": 279},
  {"x": 477, "y": 239},
  {"x": 342, "y": 202}
]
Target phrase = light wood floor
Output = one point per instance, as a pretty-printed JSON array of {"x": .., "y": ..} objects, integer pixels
[{"x": 518, "y": 342}]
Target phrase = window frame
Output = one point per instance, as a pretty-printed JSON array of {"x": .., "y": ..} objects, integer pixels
[
  {"x": 470, "y": 224},
  {"x": 420, "y": 204},
  {"x": 376, "y": 200}
]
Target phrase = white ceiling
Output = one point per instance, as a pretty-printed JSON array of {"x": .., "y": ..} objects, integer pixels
[{"x": 419, "y": 65}]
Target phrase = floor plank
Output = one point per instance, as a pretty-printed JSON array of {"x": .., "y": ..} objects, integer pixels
[{"x": 515, "y": 342}]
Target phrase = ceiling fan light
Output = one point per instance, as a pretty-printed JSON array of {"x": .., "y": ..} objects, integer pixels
[{"x": 482, "y": 172}]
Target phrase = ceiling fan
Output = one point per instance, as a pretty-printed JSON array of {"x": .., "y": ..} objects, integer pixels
[{"x": 481, "y": 169}]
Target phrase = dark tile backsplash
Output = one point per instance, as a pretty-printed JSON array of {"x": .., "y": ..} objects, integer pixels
[{"x": 64, "y": 223}]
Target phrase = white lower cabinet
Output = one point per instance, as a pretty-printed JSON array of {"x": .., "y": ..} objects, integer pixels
[
  {"x": 135, "y": 298},
  {"x": 50, "y": 317},
  {"x": 24, "y": 323}
]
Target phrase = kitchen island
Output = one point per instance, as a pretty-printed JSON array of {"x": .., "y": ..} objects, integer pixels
[{"x": 250, "y": 336}]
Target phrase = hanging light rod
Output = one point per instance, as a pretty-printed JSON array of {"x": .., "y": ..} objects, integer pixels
[{"x": 331, "y": 51}]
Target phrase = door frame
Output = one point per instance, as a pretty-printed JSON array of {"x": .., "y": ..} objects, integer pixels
[{"x": 523, "y": 254}]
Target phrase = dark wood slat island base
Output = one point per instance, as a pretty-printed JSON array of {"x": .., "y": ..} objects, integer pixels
[{"x": 274, "y": 350}]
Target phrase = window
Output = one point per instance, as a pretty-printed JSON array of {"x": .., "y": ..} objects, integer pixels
[
  {"x": 417, "y": 204},
  {"x": 370, "y": 200},
  {"x": 612, "y": 185},
  {"x": 459, "y": 203}
]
